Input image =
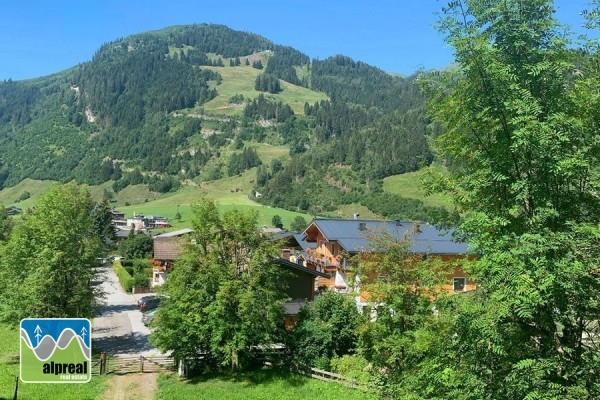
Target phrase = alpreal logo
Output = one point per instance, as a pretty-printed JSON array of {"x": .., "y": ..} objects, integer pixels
[{"x": 56, "y": 350}]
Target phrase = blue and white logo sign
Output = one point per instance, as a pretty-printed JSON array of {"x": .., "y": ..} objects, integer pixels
[{"x": 56, "y": 350}]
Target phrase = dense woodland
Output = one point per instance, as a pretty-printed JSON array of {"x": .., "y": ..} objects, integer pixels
[{"x": 123, "y": 116}]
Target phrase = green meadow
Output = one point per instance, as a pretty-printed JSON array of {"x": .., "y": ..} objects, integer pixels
[
  {"x": 254, "y": 385},
  {"x": 240, "y": 80}
]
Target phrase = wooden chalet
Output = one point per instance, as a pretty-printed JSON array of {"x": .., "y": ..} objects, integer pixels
[
  {"x": 333, "y": 242},
  {"x": 167, "y": 248}
]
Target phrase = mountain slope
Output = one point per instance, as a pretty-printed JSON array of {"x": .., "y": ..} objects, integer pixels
[{"x": 189, "y": 103}]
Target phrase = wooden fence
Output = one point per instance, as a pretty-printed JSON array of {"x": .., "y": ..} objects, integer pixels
[
  {"x": 131, "y": 364},
  {"x": 331, "y": 377}
]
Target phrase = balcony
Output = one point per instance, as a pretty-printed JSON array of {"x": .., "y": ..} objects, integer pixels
[{"x": 315, "y": 257}]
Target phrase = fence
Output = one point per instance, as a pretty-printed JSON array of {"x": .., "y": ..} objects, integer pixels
[
  {"x": 330, "y": 377},
  {"x": 131, "y": 364}
]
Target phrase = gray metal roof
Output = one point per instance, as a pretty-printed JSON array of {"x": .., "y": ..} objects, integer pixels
[
  {"x": 303, "y": 243},
  {"x": 174, "y": 233},
  {"x": 353, "y": 235}
]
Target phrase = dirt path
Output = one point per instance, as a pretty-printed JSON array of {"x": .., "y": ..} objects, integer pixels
[{"x": 131, "y": 387}]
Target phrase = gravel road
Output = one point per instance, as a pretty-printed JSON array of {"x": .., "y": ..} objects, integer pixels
[{"x": 118, "y": 327}]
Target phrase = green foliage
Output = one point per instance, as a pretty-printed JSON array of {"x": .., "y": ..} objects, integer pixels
[
  {"x": 48, "y": 261},
  {"x": 276, "y": 221},
  {"x": 267, "y": 83},
  {"x": 142, "y": 273},
  {"x": 393, "y": 206},
  {"x": 125, "y": 279},
  {"x": 226, "y": 294},
  {"x": 263, "y": 108},
  {"x": 137, "y": 245},
  {"x": 24, "y": 196},
  {"x": 401, "y": 286},
  {"x": 355, "y": 367},
  {"x": 522, "y": 154},
  {"x": 6, "y": 224},
  {"x": 239, "y": 162},
  {"x": 325, "y": 330},
  {"x": 258, "y": 384},
  {"x": 102, "y": 216},
  {"x": 356, "y": 82},
  {"x": 299, "y": 224}
]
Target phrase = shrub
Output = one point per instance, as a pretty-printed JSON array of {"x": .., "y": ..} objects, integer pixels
[
  {"x": 325, "y": 330},
  {"x": 125, "y": 279},
  {"x": 142, "y": 273},
  {"x": 353, "y": 367}
]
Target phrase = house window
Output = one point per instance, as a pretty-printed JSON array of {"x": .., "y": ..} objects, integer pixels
[
  {"x": 156, "y": 277},
  {"x": 459, "y": 284},
  {"x": 333, "y": 252}
]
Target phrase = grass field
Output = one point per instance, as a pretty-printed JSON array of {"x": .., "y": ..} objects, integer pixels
[
  {"x": 262, "y": 384},
  {"x": 409, "y": 185},
  {"x": 9, "y": 370},
  {"x": 240, "y": 80},
  {"x": 9, "y": 196}
]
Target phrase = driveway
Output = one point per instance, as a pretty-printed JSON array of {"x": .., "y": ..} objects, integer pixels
[{"x": 118, "y": 328}]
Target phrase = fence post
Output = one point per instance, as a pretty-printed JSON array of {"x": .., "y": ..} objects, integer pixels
[
  {"x": 16, "y": 388},
  {"x": 141, "y": 363},
  {"x": 102, "y": 363},
  {"x": 182, "y": 370}
]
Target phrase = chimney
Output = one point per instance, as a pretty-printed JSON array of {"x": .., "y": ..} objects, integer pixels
[
  {"x": 398, "y": 222},
  {"x": 356, "y": 215}
]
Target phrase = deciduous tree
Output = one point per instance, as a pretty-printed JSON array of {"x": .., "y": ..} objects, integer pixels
[
  {"x": 226, "y": 294},
  {"x": 521, "y": 116},
  {"x": 48, "y": 262}
]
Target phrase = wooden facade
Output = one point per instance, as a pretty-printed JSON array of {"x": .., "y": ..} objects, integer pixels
[{"x": 336, "y": 241}]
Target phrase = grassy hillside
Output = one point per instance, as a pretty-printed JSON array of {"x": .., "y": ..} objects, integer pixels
[
  {"x": 9, "y": 196},
  {"x": 409, "y": 185},
  {"x": 240, "y": 80}
]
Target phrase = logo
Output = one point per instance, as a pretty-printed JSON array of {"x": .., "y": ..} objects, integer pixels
[{"x": 56, "y": 350}]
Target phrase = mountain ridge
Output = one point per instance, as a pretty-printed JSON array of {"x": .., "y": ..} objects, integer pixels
[{"x": 125, "y": 117}]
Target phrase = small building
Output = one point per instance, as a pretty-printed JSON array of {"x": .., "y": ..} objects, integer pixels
[{"x": 167, "y": 248}]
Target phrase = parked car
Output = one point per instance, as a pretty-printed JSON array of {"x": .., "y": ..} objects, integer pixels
[
  {"x": 148, "y": 303},
  {"x": 144, "y": 299}
]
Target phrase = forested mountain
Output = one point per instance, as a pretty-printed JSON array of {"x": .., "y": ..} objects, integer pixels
[{"x": 139, "y": 112}]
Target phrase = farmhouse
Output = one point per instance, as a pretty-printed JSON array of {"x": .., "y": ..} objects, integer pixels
[
  {"x": 328, "y": 246},
  {"x": 167, "y": 248}
]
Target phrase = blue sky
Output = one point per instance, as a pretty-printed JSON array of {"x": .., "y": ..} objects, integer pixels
[{"x": 38, "y": 38}]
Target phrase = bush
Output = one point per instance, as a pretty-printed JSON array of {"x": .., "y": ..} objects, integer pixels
[
  {"x": 142, "y": 273},
  {"x": 125, "y": 279},
  {"x": 353, "y": 367},
  {"x": 325, "y": 330}
]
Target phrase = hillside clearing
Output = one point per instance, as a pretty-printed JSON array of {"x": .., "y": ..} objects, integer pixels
[
  {"x": 240, "y": 80},
  {"x": 409, "y": 185}
]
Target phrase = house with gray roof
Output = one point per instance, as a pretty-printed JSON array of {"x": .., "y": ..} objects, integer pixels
[{"x": 333, "y": 242}]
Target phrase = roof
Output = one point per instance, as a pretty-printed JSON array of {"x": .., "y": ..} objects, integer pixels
[
  {"x": 180, "y": 232},
  {"x": 167, "y": 250},
  {"x": 299, "y": 267},
  {"x": 300, "y": 238},
  {"x": 353, "y": 235}
]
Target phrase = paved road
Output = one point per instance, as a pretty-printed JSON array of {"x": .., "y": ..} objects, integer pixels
[{"x": 118, "y": 328}]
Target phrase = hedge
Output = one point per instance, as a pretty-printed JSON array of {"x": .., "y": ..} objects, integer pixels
[{"x": 125, "y": 279}]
